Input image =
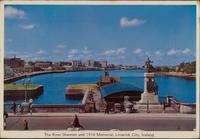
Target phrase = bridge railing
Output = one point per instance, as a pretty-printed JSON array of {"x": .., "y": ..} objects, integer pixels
[{"x": 181, "y": 107}]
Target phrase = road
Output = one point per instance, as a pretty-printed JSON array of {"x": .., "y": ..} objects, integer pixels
[{"x": 150, "y": 122}]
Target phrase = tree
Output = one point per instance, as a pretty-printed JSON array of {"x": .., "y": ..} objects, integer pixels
[
  {"x": 190, "y": 67},
  {"x": 165, "y": 69}
]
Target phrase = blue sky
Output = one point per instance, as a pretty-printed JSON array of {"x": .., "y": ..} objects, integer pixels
[{"x": 120, "y": 34}]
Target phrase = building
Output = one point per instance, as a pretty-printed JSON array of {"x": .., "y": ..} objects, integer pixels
[
  {"x": 8, "y": 72},
  {"x": 103, "y": 64},
  {"x": 89, "y": 63},
  {"x": 76, "y": 63},
  {"x": 28, "y": 67},
  {"x": 17, "y": 64},
  {"x": 43, "y": 64}
]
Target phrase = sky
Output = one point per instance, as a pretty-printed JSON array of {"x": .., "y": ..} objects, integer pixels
[{"x": 120, "y": 34}]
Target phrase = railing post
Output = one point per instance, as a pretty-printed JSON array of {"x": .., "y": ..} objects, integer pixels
[
  {"x": 147, "y": 106},
  {"x": 169, "y": 100}
]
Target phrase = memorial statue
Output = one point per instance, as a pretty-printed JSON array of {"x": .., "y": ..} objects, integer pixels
[
  {"x": 152, "y": 87},
  {"x": 148, "y": 65}
]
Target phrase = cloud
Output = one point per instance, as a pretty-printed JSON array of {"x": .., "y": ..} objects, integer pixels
[
  {"x": 73, "y": 52},
  {"x": 137, "y": 51},
  {"x": 120, "y": 51},
  {"x": 13, "y": 13},
  {"x": 109, "y": 52},
  {"x": 70, "y": 56},
  {"x": 28, "y": 26},
  {"x": 186, "y": 51},
  {"x": 40, "y": 52},
  {"x": 85, "y": 51},
  {"x": 79, "y": 54},
  {"x": 173, "y": 51},
  {"x": 115, "y": 52},
  {"x": 158, "y": 53},
  {"x": 60, "y": 46},
  {"x": 124, "y": 22}
]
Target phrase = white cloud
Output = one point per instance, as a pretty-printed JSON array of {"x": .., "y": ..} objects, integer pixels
[
  {"x": 60, "y": 46},
  {"x": 124, "y": 22},
  {"x": 13, "y": 13},
  {"x": 70, "y": 56},
  {"x": 28, "y": 26},
  {"x": 172, "y": 51},
  {"x": 158, "y": 53},
  {"x": 186, "y": 51},
  {"x": 114, "y": 52},
  {"x": 120, "y": 51},
  {"x": 73, "y": 52},
  {"x": 109, "y": 52},
  {"x": 137, "y": 51},
  {"x": 40, "y": 52},
  {"x": 85, "y": 51}
]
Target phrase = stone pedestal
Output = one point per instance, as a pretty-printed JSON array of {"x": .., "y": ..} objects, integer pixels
[
  {"x": 149, "y": 100},
  {"x": 149, "y": 96}
]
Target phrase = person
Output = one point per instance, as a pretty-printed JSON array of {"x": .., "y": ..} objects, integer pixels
[
  {"x": 31, "y": 108},
  {"x": 19, "y": 108},
  {"x": 5, "y": 115},
  {"x": 76, "y": 124},
  {"x": 14, "y": 107},
  {"x": 25, "y": 124},
  {"x": 106, "y": 108}
]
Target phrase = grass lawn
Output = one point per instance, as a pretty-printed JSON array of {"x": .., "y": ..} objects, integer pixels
[
  {"x": 83, "y": 86},
  {"x": 19, "y": 86}
]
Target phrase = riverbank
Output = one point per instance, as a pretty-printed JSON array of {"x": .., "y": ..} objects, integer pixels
[
  {"x": 176, "y": 74},
  {"x": 13, "y": 79}
]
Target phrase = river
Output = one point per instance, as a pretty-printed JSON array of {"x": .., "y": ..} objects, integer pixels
[{"x": 54, "y": 85}]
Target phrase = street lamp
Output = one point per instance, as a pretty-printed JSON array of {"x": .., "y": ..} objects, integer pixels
[
  {"x": 25, "y": 104},
  {"x": 27, "y": 83}
]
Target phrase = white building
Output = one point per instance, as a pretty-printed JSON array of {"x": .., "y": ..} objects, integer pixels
[{"x": 8, "y": 72}]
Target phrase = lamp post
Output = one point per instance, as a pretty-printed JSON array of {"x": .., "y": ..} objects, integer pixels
[
  {"x": 25, "y": 104},
  {"x": 27, "y": 83}
]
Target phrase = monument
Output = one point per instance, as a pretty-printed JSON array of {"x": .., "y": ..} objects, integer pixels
[
  {"x": 150, "y": 88},
  {"x": 149, "y": 98}
]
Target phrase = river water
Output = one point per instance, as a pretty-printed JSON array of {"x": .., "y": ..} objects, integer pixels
[{"x": 54, "y": 85}]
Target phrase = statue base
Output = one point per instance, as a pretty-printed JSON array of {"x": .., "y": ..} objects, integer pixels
[
  {"x": 149, "y": 98},
  {"x": 149, "y": 103},
  {"x": 150, "y": 108}
]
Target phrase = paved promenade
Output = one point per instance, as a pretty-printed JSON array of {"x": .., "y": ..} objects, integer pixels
[{"x": 100, "y": 121}]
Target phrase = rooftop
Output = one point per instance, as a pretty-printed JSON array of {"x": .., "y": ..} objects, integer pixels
[{"x": 110, "y": 89}]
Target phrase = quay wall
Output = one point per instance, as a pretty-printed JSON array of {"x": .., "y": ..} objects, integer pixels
[
  {"x": 13, "y": 79},
  {"x": 20, "y": 94},
  {"x": 58, "y": 108},
  {"x": 177, "y": 75}
]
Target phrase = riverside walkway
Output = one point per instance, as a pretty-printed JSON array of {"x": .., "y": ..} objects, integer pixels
[{"x": 100, "y": 121}]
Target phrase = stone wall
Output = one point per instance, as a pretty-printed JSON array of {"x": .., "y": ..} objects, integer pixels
[
  {"x": 58, "y": 108},
  {"x": 20, "y": 94}
]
